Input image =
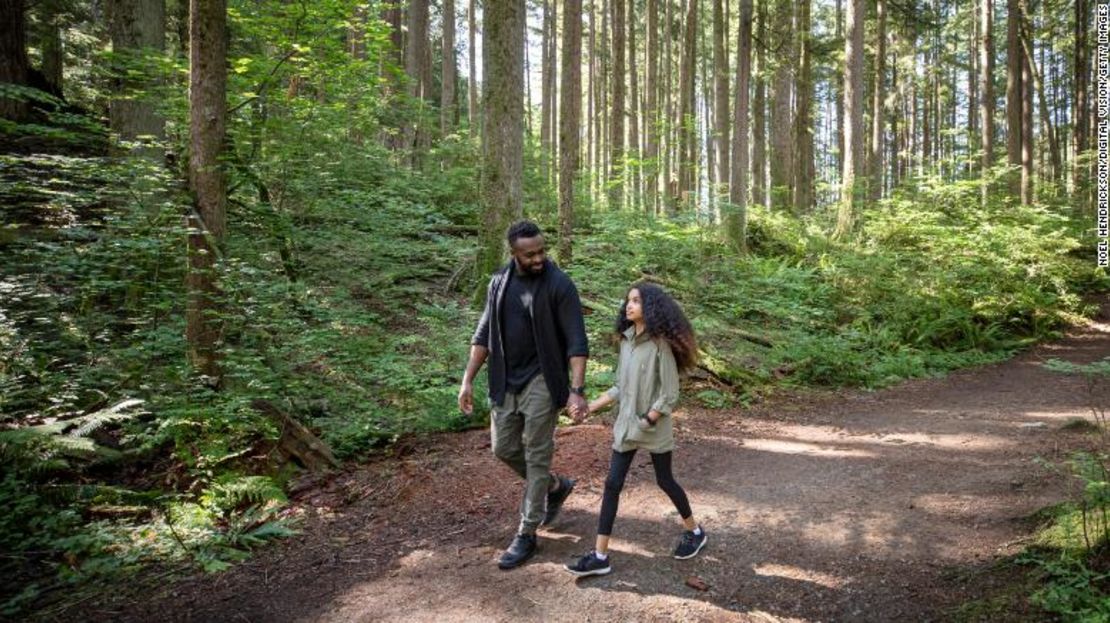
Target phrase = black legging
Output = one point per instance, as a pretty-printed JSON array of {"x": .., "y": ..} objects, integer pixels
[{"x": 618, "y": 469}]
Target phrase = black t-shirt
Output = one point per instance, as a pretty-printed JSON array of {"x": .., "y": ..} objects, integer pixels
[{"x": 522, "y": 362}]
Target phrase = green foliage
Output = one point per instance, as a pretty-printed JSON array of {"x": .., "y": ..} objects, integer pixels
[{"x": 1071, "y": 556}]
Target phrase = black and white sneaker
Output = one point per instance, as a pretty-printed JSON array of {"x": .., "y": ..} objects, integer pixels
[
  {"x": 690, "y": 544},
  {"x": 589, "y": 564}
]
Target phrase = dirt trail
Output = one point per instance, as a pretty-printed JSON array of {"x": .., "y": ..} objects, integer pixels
[{"x": 849, "y": 506}]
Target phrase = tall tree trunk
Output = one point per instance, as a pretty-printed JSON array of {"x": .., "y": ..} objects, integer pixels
[
  {"x": 616, "y": 127},
  {"x": 896, "y": 89},
  {"x": 759, "y": 113},
  {"x": 736, "y": 220},
  {"x": 651, "y": 112},
  {"x": 207, "y": 220},
  {"x": 839, "y": 91},
  {"x": 633, "y": 118},
  {"x": 418, "y": 66},
  {"x": 1027, "y": 144},
  {"x": 394, "y": 133},
  {"x": 669, "y": 182},
  {"x": 705, "y": 142},
  {"x": 853, "y": 110},
  {"x": 720, "y": 74},
  {"x": 986, "y": 89},
  {"x": 1015, "y": 96},
  {"x": 782, "y": 118},
  {"x": 1046, "y": 119},
  {"x": 449, "y": 72},
  {"x": 686, "y": 112},
  {"x": 603, "y": 112},
  {"x": 547, "y": 86},
  {"x": 591, "y": 106},
  {"x": 472, "y": 112},
  {"x": 570, "y": 93},
  {"x": 1081, "y": 116},
  {"x": 137, "y": 27},
  {"x": 14, "y": 66},
  {"x": 50, "y": 44},
  {"x": 973, "y": 85},
  {"x": 875, "y": 181},
  {"x": 803, "y": 123},
  {"x": 503, "y": 128}
]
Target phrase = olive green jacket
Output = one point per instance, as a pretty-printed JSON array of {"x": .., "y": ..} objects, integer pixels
[{"x": 647, "y": 378}]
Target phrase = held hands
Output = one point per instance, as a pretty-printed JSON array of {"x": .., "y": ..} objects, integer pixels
[{"x": 577, "y": 407}]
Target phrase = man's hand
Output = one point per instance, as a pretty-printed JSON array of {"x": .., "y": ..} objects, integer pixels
[
  {"x": 466, "y": 399},
  {"x": 578, "y": 408}
]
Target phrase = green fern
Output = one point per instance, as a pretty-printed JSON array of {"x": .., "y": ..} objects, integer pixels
[{"x": 241, "y": 491}]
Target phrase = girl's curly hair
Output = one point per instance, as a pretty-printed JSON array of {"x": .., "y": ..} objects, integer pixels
[{"x": 663, "y": 318}]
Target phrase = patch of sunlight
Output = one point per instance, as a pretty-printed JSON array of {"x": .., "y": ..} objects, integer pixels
[
  {"x": 954, "y": 441},
  {"x": 1060, "y": 414},
  {"x": 791, "y": 572},
  {"x": 795, "y": 447}
]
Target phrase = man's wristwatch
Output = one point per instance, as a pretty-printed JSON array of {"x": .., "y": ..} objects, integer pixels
[{"x": 580, "y": 390}]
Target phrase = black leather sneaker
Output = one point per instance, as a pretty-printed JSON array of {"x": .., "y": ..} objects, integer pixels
[
  {"x": 522, "y": 548},
  {"x": 556, "y": 498}
]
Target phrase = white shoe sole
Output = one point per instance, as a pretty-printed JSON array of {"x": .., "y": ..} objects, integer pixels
[
  {"x": 703, "y": 542},
  {"x": 583, "y": 574}
]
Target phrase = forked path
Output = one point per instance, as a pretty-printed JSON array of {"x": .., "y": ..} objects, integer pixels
[{"x": 851, "y": 506}]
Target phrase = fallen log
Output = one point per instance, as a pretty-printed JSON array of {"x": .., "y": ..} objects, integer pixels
[{"x": 297, "y": 443}]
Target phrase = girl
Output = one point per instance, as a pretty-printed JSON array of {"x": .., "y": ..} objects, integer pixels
[{"x": 656, "y": 342}]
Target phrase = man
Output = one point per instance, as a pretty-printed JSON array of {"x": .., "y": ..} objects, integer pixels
[{"x": 531, "y": 329}]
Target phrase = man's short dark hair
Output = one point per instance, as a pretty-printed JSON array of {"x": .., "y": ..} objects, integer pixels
[{"x": 522, "y": 229}]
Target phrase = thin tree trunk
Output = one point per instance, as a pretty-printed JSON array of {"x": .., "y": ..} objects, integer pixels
[
  {"x": 686, "y": 114},
  {"x": 720, "y": 74},
  {"x": 1015, "y": 96},
  {"x": 782, "y": 118},
  {"x": 1027, "y": 142},
  {"x": 1082, "y": 112},
  {"x": 875, "y": 183},
  {"x": 803, "y": 122},
  {"x": 472, "y": 113},
  {"x": 839, "y": 91},
  {"x": 736, "y": 219},
  {"x": 759, "y": 113},
  {"x": 669, "y": 181},
  {"x": 547, "y": 85},
  {"x": 207, "y": 220},
  {"x": 570, "y": 94},
  {"x": 616, "y": 127},
  {"x": 633, "y": 118},
  {"x": 853, "y": 109},
  {"x": 503, "y": 127},
  {"x": 449, "y": 72},
  {"x": 50, "y": 45},
  {"x": 591, "y": 106},
  {"x": 603, "y": 111},
  {"x": 651, "y": 114},
  {"x": 418, "y": 68},
  {"x": 986, "y": 89},
  {"x": 1046, "y": 119},
  {"x": 973, "y": 86},
  {"x": 896, "y": 90}
]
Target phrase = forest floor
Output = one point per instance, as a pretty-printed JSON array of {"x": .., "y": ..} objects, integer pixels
[{"x": 899, "y": 504}]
